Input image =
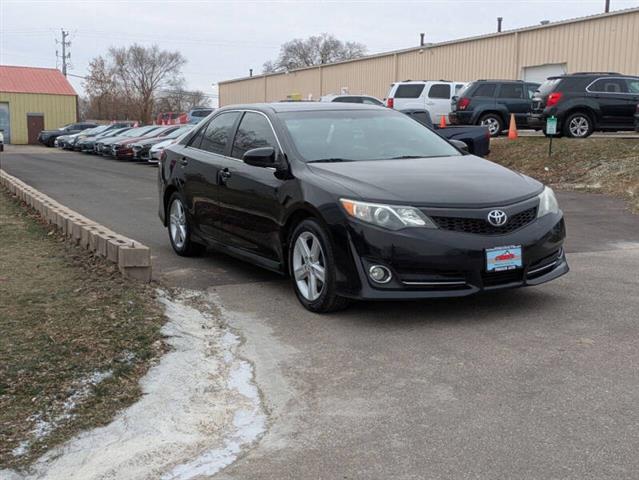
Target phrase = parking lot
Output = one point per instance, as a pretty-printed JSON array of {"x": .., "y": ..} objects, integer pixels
[{"x": 533, "y": 383}]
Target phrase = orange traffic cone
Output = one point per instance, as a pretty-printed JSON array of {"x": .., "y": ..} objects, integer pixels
[
  {"x": 512, "y": 130},
  {"x": 442, "y": 122}
]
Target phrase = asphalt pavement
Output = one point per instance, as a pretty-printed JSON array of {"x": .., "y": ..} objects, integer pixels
[{"x": 536, "y": 383}]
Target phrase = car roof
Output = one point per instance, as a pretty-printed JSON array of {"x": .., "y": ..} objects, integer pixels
[
  {"x": 592, "y": 74},
  {"x": 278, "y": 107}
]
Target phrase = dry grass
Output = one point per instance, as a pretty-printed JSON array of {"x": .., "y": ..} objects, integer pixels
[
  {"x": 65, "y": 316},
  {"x": 606, "y": 165}
]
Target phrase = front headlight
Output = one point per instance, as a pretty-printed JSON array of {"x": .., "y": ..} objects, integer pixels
[
  {"x": 547, "y": 203},
  {"x": 392, "y": 217}
]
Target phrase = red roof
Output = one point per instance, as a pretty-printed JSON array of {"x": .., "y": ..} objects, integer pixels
[{"x": 34, "y": 80}]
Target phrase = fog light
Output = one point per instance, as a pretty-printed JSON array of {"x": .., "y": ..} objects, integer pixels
[{"x": 379, "y": 274}]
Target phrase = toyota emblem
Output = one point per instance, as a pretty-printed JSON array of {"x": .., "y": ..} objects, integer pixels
[{"x": 497, "y": 218}]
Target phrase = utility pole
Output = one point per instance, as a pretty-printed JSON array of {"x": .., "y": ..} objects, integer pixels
[
  {"x": 607, "y": 9},
  {"x": 65, "y": 56}
]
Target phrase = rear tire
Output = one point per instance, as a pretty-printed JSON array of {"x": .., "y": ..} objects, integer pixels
[
  {"x": 312, "y": 268},
  {"x": 179, "y": 228},
  {"x": 494, "y": 123},
  {"x": 578, "y": 125}
]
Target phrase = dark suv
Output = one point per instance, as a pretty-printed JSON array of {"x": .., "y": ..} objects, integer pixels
[
  {"x": 490, "y": 103},
  {"x": 585, "y": 102}
]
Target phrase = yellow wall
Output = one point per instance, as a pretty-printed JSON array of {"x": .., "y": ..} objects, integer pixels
[
  {"x": 58, "y": 110},
  {"x": 608, "y": 42}
]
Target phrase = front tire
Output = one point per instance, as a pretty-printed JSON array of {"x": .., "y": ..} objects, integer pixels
[
  {"x": 494, "y": 123},
  {"x": 179, "y": 229},
  {"x": 578, "y": 125},
  {"x": 312, "y": 268}
]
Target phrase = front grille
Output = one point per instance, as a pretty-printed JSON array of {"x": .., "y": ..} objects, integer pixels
[
  {"x": 481, "y": 226},
  {"x": 492, "y": 279}
]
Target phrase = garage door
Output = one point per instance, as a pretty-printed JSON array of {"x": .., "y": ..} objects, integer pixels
[
  {"x": 539, "y": 73},
  {"x": 4, "y": 122}
]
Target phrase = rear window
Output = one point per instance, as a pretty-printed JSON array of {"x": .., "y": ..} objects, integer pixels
[
  {"x": 485, "y": 90},
  {"x": 439, "y": 90},
  {"x": 409, "y": 91},
  {"x": 200, "y": 113},
  {"x": 548, "y": 86},
  {"x": 609, "y": 85}
]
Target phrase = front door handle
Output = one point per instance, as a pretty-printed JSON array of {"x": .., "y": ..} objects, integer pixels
[
  {"x": 224, "y": 175},
  {"x": 184, "y": 161}
]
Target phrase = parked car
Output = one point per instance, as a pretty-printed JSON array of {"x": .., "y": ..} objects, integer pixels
[
  {"x": 356, "y": 201},
  {"x": 434, "y": 96},
  {"x": 87, "y": 144},
  {"x": 66, "y": 142},
  {"x": 475, "y": 138},
  {"x": 365, "y": 99},
  {"x": 491, "y": 102},
  {"x": 196, "y": 115},
  {"x": 47, "y": 137},
  {"x": 156, "y": 150},
  {"x": 142, "y": 148},
  {"x": 1, "y": 141},
  {"x": 586, "y": 102},
  {"x": 637, "y": 118},
  {"x": 122, "y": 148},
  {"x": 103, "y": 146}
]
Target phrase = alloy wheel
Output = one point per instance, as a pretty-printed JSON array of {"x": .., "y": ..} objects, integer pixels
[
  {"x": 177, "y": 224},
  {"x": 579, "y": 126},
  {"x": 309, "y": 266},
  {"x": 493, "y": 125}
]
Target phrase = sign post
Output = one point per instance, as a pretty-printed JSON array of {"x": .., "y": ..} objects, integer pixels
[{"x": 551, "y": 131}]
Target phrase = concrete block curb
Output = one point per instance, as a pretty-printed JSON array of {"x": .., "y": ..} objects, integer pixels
[{"x": 132, "y": 258}]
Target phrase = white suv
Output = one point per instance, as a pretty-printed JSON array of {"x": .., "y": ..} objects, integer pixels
[{"x": 432, "y": 95}]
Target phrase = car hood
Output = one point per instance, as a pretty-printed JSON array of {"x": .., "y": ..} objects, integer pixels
[
  {"x": 145, "y": 142},
  {"x": 456, "y": 181},
  {"x": 126, "y": 140}
]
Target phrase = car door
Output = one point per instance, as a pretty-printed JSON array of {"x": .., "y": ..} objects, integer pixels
[
  {"x": 249, "y": 203},
  {"x": 201, "y": 161},
  {"x": 515, "y": 100},
  {"x": 438, "y": 101},
  {"x": 614, "y": 101}
]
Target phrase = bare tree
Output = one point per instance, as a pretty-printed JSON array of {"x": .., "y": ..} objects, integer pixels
[
  {"x": 314, "y": 50},
  {"x": 177, "y": 99},
  {"x": 142, "y": 72}
]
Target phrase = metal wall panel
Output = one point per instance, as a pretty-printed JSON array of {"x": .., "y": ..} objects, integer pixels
[
  {"x": 58, "y": 110},
  {"x": 607, "y": 42}
]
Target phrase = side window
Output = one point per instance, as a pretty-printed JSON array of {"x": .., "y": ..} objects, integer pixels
[
  {"x": 439, "y": 90},
  {"x": 633, "y": 85},
  {"x": 511, "y": 90},
  {"x": 216, "y": 134},
  {"x": 485, "y": 90},
  {"x": 609, "y": 85},
  {"x": 409, "y": 91},
  {"x": 254, "y": 132},
  {"x": 371, "y": 101},
  {"x": 458, "y": 87}
]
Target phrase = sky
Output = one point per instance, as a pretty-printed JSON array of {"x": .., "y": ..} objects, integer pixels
[{"x": 222, "y": 40}]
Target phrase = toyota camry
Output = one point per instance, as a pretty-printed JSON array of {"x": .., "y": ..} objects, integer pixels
[{"x": 356, "y": 202}]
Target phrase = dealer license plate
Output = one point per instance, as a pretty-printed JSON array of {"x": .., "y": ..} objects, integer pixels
[{"x": 503, "y": 258}]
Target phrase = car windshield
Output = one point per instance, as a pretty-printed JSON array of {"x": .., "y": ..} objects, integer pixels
[
  {"x": 548, "y": 86},
  {"x": 99, "y": 129},
  {"x": 200, "y": 113},
  {"x": 140, "y": 131},
  {"x": 178, "y": 132},
  {"x": 356, "y": 135}
]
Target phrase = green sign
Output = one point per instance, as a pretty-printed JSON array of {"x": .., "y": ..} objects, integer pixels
[{"x": 551, "y": 125}]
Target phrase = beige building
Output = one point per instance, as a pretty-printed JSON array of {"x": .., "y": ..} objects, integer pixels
[
  {"x": 34, "y": 99},
  {"x": 606, "y": 42}
]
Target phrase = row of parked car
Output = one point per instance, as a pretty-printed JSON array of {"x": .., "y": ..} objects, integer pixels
[
  {"x": 124, "y": 141},
  {"x": 581, "y": 102}
]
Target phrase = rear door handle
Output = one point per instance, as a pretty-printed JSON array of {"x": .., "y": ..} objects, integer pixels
[{"x": 224, "y": 175}]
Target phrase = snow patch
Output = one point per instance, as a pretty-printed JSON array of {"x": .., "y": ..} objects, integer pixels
[{"x": 199, "y": 409}]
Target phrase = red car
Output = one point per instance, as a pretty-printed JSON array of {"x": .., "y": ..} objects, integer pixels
[
  {"x": 123, "y": 150},
  {"x": 505, "y": 256}
]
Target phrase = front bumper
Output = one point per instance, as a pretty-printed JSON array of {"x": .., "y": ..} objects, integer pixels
[{"x": 429, "y": 263}]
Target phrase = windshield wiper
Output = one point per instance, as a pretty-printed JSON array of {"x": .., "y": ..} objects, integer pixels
[
  {"x": 404, "y": 157},
  {"x": 331, "y": 160}
]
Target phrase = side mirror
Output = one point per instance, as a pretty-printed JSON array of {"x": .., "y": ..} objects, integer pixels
[
  {"x": 260, "y": 157},
  {"x": 460, "y": 145}
]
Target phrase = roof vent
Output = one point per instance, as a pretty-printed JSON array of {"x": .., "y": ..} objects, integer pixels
[{"x": 545, "y": 22}]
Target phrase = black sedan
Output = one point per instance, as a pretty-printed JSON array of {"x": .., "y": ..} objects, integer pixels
[{"x": 356, "y": 202}]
